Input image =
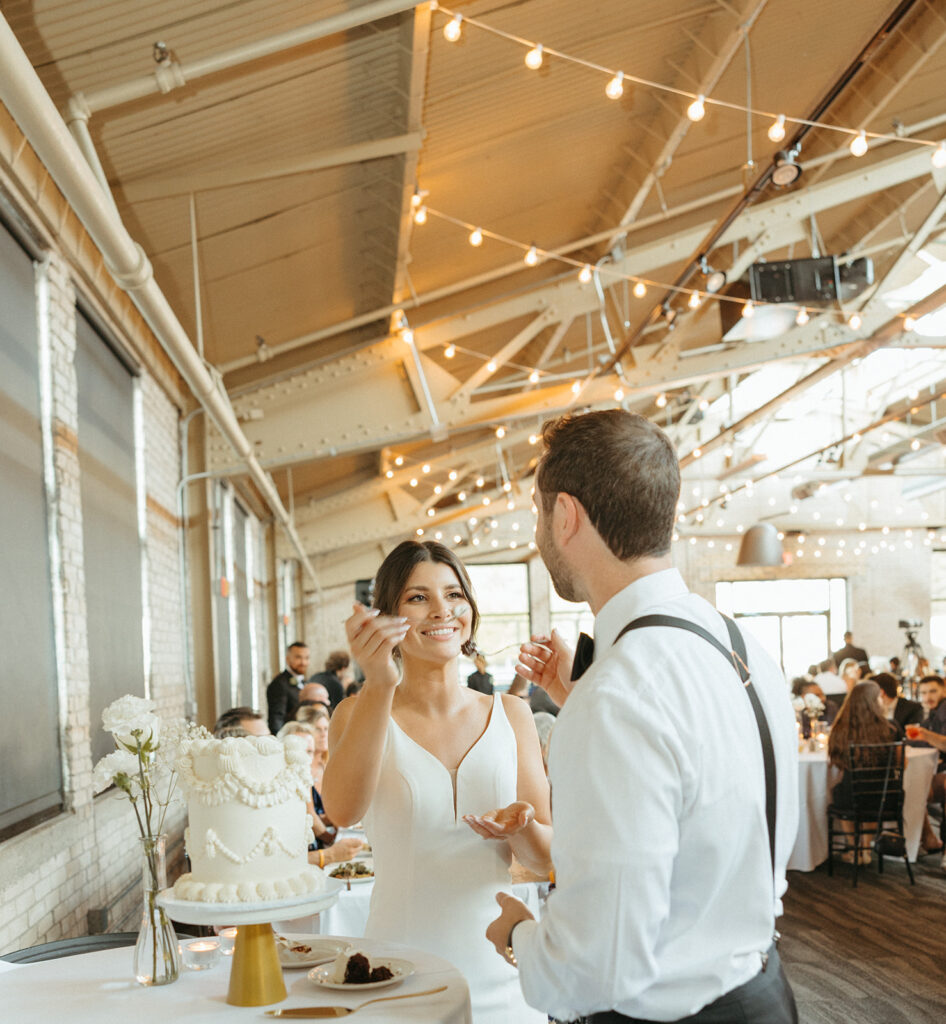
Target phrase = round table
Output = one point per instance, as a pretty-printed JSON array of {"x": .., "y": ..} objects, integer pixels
[
  {"x": 815, "y": 779},
  {"x": 95, "y": 987}
]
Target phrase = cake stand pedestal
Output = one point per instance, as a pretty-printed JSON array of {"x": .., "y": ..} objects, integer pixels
[{"x": 255, "y": 974}]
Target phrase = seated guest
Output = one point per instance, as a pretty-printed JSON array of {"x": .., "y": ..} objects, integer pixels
[
  {"x": 480, "y": 680},
  {"x": 308, "y": 713},
  {"x": 802, "y": 685},
  {"x": 240, "y": 722},
  {"x": 933, "y": 733},
  {"x": 828, "y": 679},
  {"x": 860, "y": 720},
  {"x": 326, "y": 849},
  {"x": 897, "y": 709},
  {"x": 850, "y": 672},
  {"x": 932, "y": 693},
  {"x": 336, "y": 677},
  {"x": 314, "y": 693}
]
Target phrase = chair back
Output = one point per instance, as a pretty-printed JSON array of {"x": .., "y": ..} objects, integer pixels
[{"x": 876, "y": 773}]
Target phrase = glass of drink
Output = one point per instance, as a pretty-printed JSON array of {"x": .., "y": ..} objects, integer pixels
[{"x": 913, "y": 732}]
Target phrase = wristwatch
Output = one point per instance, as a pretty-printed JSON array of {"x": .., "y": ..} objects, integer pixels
[{"x": 508, "y": 951}]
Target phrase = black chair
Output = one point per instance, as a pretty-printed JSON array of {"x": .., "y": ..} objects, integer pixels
[
  {"x": 72, "y": 947},
  {"x": 870, "y": 797}
]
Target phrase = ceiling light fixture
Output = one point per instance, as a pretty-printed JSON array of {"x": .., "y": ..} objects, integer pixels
[
  {"x": 640, "y": 290},
  {"x": 476, "y": 237},
  {"x": 531, "y": 257},
  {"x": 534, "y": 57},
  {"x": 696, "y": 111},
  {"x": 715, "y": 279},
  {"x": 420, "y": 215},
  {"x": 453, "y": 28},
  {"x": 787, "y": 169},
  {"x": 777, "y": 129},
  {"x": 858, "y": 145},
  {"x": 938, "y": 158},
  {"x": 584, "y": 275},
  {"x": 615, "y": 88}
]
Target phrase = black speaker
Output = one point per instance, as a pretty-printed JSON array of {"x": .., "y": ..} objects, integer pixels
[
  {"x": 363, "y": 590},
  {"x": 819, "y": 279}
]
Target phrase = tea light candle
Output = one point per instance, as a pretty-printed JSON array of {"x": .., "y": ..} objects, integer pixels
[
  {"x": 227, "y": 937},
  {"x": 201, "y": 954}
]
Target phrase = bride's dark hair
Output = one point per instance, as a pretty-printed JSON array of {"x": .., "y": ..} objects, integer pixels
[{"x": 396, "y": 569}]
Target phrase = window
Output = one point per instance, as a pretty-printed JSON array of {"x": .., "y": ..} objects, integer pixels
[
  {"x": 30, "y": 761},
  {"x": 502, "y": 596},
  {"x": 111, "y": 536},
  {"x": 798, "y": 622}
]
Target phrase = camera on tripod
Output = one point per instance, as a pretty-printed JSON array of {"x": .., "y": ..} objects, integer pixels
[{"x": 911, "y": 624}]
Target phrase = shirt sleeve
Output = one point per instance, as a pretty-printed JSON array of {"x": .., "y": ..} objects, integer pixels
[
  {"x": 594, "y": 947},
  {"x": 276, "y": 705}
]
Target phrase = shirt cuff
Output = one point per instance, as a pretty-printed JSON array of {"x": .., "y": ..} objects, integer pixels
[{"x": 521, "y": 936}]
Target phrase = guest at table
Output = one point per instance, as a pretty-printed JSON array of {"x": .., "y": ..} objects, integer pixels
[
  {"x": 480, "y": 680},
  {"x": 326, "y": 848},
  {"x": 897, "y": 709},
  {"x": 802, "y": 685},
  {"x": 242, "y": 721},
  {"x": 828, "y": 679},
  {"x": 849, "y": 672},
  {"x": 932, "y": 694},
  {"x": 860, "y": 720}
]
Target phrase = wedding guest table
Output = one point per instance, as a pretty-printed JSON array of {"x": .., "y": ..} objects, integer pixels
[
  {"x": 95, "y": 987},
  {"x": 815, "y": 779}
]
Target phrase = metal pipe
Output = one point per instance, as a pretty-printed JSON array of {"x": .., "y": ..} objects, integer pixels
[{"x": 31, "y": 107}]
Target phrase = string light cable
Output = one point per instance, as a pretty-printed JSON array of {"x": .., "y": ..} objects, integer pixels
[{"x": 697, "y": 102}]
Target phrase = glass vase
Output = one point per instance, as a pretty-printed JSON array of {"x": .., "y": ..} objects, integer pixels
[{"x": 157, "y": 955}]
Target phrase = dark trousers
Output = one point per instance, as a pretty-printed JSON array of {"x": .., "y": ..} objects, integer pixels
[{"x": 765, "y": 999}]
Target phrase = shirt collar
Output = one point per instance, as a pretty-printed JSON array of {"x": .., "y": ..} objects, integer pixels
[{"x": 635, "y": 600}]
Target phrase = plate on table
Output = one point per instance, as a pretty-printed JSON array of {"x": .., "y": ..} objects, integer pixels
[
  {"x": 324, "y": 976},
  {"x": 355, "y": 879},
  {"x": 308, "y": 950}
]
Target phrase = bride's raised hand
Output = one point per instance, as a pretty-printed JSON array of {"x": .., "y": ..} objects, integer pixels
[
  {"x": 372, "y": 638},
  {"x": 501, "y": 823}
]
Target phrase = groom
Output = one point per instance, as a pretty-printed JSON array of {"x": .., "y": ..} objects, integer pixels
[{"x": 667, "y": 883}]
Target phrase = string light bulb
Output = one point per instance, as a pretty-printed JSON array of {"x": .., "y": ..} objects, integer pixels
[
  {"x": 500, "y": 433},
  {"x": 938, "y": 158},
  {"x": 531, "y": 257},
  {"x": 660, "y": 401},
  {"x": 450, "y": 351},
  {"x": 777, "y": 129},
  {"x": 614, "y": 90},
  {"x": 407, "y": 336},
  {"x": 696, "y": 111},
  {"x": 534, "y": 377},
  {"x": 576, "y": 387},
  {"x": 854, "y": 321},
  {"x": 909, "y": 324},
  {"x": 420, "y": 215},
  {"x": 694, "y": 301},
  {"x": 452, "y": 475},
  {"x": 534, "y": 57},
  {"x": 858, "y": 145},
  {"x": 584, "y": 275},
  {"x": 802, "y": 317},
  {"x": 915, "y": 445},
  {"x": 640, "y": 290},
  {"x": 697, "y": 453},
  {"x": 491, "y": 366},
  {"x": 618, "y": 394},
  {"x": 476, "y": 237},
  {"x": 453, "y": 28},
  {"x": 416, "y": 199},
  {"x": 748, "y": 310}
]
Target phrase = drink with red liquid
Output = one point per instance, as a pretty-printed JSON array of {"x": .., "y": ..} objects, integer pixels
[{"x": 913, "y": 732}]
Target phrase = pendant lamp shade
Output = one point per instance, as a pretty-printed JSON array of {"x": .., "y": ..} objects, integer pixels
[{"x": 760, "y": 546}]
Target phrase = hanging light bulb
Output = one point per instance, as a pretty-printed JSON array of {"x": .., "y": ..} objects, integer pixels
[
  {"x": 420, "y": 215},
  {"x": 696, "y": 111},
  {"x": 453, "y": 28},
  {"x": 618, "y": 394},
  {"x": 777, "y": 129},
  {"x": 534, "y": 58},
  {"x": 438, "y": 489},
  {"x": 694, "y": 301},
  {"x": 416, "y": 198},
  {"x": 748, "y": 310},
  {"x": 534, "y": 377},
  {"x": 939, "y": 155},
  {"x": 500, "y": 433},
  {"x": 576, "y": 387},
  {"x": 584, "y": 275},
  {"x": 425, "y": 468},
  {"x": 854, "y": 321},
  {"x": 491, "y": 366},
  {"x": 660, "y": 401},
  {"x": 389, "y": 473},
  {"x": 399, "y": 461},
  {"x": 802, "y": 317},
  {"x": 480, "y": 481},
  {"x": 614, "y": 90},
  {"x": 858, "y": 145},
  {"x": 476, "y": 237},
  {"x": 531, "y": 257},
  {"x": 909, "y": 324},
  {"x": 533, "y": 439},
  {"x": 450, "y": 351},
  {"x": 640, "y": 290},
  {"x": 697, "y": 453},
  {"x": 915, "y": 444}
]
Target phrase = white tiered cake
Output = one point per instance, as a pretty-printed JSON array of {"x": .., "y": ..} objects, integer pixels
[{"x": 248, "y": 831}]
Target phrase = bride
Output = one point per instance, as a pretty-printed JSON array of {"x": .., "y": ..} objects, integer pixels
[{"x": 449, "y": 781}]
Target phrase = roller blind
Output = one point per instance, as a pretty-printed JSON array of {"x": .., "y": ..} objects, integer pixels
[
  {"x": 30, "y": 767},
  {"x": 109, "y": 526}
]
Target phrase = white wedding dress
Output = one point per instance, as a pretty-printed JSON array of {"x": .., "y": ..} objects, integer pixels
[{"x": 435, "y": 879}]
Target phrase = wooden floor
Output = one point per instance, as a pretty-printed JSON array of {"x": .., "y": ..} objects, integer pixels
[{"x": 871, "y": 955}]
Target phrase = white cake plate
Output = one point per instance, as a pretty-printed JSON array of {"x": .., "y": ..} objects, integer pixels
[{"x": 256, "y": 974}]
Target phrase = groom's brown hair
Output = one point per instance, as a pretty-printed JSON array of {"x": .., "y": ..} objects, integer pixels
[{"x": 623, "y": 470}]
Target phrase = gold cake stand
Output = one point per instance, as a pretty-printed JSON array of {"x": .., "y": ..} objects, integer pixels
[{"x": 255, "y": 974}]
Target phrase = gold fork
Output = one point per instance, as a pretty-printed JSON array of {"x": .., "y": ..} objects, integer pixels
[{"x": 343, "y": 1011}]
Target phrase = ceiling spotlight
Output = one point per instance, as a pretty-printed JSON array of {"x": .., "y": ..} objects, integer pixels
[
  {"x": 534, "y": 58},
  {"x": 777, "y": 129},
  {"x": 615, "y": 88},
  {"x": 787, "y": 170},
  {"x": 453, "y": 28},
  {"x": 715, "y": 279},
  {"x": 858, "y": 145},
  {"x": 696, "y": 111}
]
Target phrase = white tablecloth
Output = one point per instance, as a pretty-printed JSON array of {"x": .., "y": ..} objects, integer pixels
[
  {"x": 814, "y": 786},
  {"x": 96, "y": 987}
]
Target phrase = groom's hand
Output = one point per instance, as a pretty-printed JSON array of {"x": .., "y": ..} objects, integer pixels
[
  {"x": 512, "y": 912},
  {"x": 547, "y": 662}
]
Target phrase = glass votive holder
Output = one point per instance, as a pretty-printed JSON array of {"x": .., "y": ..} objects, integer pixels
[
  {"x": 227, "y": 938},
  {"x": 201, "y": 954}
]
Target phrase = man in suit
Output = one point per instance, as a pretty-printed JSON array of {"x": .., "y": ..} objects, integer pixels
[
  {"x": 849, "y": 650},
  {"x": 282, "y": 694},
  {"x": 898, "y": 709},
  {"x": 336, "y": 677}
]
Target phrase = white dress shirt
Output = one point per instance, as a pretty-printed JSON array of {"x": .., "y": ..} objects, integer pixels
[{"x": 664, "y": 895}]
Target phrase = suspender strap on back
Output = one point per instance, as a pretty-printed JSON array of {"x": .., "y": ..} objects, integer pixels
[{"x": 737, "y": 657}]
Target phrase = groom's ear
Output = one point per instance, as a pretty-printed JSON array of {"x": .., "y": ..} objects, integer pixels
[{"x": 569, "y": 516}]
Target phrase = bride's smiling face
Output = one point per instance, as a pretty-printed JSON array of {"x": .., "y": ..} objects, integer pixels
[{"x": 439, "y": 613}]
